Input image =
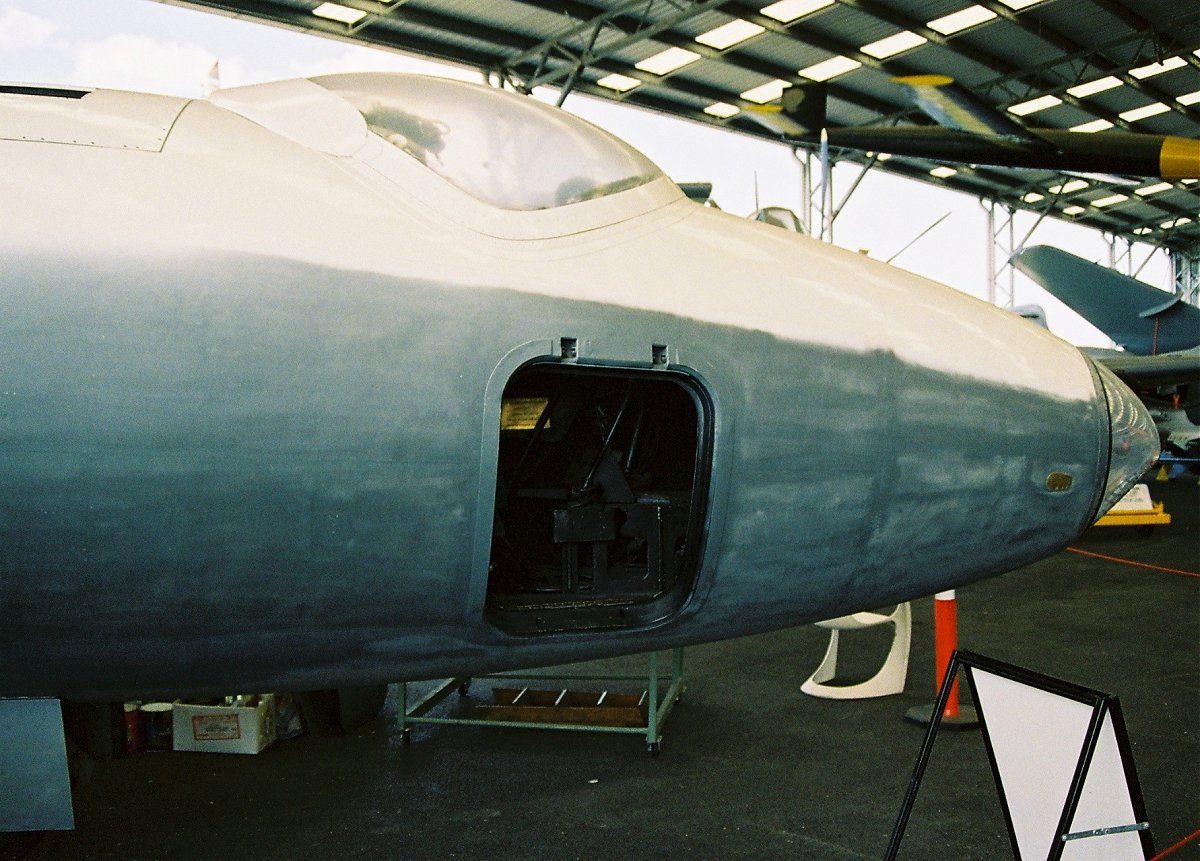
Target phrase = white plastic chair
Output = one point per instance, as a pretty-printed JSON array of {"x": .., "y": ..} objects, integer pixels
[{"x": 891, "y": 676}]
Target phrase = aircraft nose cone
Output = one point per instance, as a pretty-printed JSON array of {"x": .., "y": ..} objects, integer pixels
[{"x": 1133, "y": 439}]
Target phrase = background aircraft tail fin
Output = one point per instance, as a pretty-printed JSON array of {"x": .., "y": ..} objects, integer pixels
[{"x": 1140, "y": 318}]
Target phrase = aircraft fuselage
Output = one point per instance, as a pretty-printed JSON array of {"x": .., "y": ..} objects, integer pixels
[{"x": 255, "y": 383}]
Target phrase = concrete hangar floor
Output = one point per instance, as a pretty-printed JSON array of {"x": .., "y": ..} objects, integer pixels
[{"x": 750, "y": 767}]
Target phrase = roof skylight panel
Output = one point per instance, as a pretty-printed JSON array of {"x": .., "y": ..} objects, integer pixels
[
  {"x": 1090, "y": 88},
  {"x": 831, "y": 68},
  {"x": 764, "y": 93},
  {"x": 1069, "y": 186},
  {"x": 620, "y": 83},
  {"x": 961, "y": 20},
  {"x": 1153, "y": 69},
  {"x": 1093, "y": 127},
  {"x": 1144, "y": 112},
  {"x": 721, "y": 110},
  {"x": 667, "y": 61},
  {"x": 1032, "y": 106},
  {"x": 895, "y": 44},
  {"x": 342, "y": 14},
  {"x": 787, "y": 11},
  {"x": 728, "y": 35}
]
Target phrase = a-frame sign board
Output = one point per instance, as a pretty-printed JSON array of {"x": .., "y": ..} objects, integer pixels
[{"x": 1062, "y": 763}]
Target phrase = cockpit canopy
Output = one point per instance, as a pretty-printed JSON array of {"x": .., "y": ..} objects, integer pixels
[{"x": 510, "y": 151}]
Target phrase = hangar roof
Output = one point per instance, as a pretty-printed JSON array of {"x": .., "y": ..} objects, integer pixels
[{"x": 1084, "y": 65}]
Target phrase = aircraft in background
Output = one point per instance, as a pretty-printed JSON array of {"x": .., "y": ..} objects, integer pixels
[
  {"x": 1140, "y": 319},
  {"x": 362, "y": 378},
  {"x": 970, "y": 131},
  {"x": 1158, "y": 332}
]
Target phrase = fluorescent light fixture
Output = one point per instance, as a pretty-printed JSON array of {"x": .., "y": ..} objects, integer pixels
[
  {"x": 1158, "y": 68},
  {"x": 1073, "y": 210},
  {"x": 883, "y": 156},
  {"x": 1189, "y": 98},
  {"x": 1033, "y": 197},
  {"x": 620, "y": 83},
  {"x": 830, "y": 68},
  {"x": 1157, "y": 188},
  {"x": 721, "y": 110},
  {"x": 942, "y": 172},
  {"x": 1017, "y": 5},
  {"x": 728, "y": 35},
  {"x": 1032, "y": 106},
  {"x": 1110, "y": 200},
  {"x": 961, "y": 20},
  {"x": 1069, "y": 187},
  {"x": 1082, "y": 91},
  {"x": 1142, "y": 231},
  {"x": 764, "y": 93},
  {"x": 894, "y": 44},
  {"x": 1093, "y": 126},
  {"x": 1178, "y": 222},
  {"x": 344, "y": 14},
  {"x": 1151, "y": 110},
  {"x": 787, "y": 11},
  {"x": 667, "y": 61}
]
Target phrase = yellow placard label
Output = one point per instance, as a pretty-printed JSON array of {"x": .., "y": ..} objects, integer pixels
[{"x": 521, "y": 414}]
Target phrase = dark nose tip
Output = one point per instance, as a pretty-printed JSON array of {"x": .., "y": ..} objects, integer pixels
[{"x": 1133, "y": 439}]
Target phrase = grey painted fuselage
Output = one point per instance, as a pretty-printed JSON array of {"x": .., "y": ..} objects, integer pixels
[{"x": 228, "y": 469}]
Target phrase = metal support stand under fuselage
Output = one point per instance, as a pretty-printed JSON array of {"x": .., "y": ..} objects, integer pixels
[
  {"x": 657, "y": 707},
  {"x": 35, "y": 783}
]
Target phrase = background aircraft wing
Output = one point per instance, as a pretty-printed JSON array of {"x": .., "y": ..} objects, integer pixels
[
  {"x": 954, "y": 107},
  {"x": 1142, "y": 319},
  {"x": 1141, "y": 372}
]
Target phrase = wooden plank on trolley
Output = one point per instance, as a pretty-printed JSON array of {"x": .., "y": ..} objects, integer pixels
[{"x": 598, "y": 708}]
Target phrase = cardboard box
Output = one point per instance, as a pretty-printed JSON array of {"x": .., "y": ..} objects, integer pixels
[{"x": 225, "y": 729}]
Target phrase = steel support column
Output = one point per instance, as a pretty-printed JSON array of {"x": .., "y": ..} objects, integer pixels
[
  {"x": 817, "y": 200},
  {"x": 803, "y": 159},
  {"x": 1120, "y": 254},
  {"x": 816, "y": 182},
  {"x": 1001, "y": 224},
  {"x": 1186, "y": 271}
]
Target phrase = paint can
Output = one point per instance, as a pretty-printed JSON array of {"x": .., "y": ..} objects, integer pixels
[
  {"x": 157, "y": 719},
  {"x": 135, "y": 738}
]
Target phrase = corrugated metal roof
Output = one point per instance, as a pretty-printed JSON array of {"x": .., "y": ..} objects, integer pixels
[{"x": 1015, "y": 51}]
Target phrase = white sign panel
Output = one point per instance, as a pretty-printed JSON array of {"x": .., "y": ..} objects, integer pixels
[{"x": 1037, "y": 739}]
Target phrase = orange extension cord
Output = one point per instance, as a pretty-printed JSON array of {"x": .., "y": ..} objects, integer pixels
[
  {"x": 1131, "y": 562},
  {"x": 1184, "y": 842}
]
